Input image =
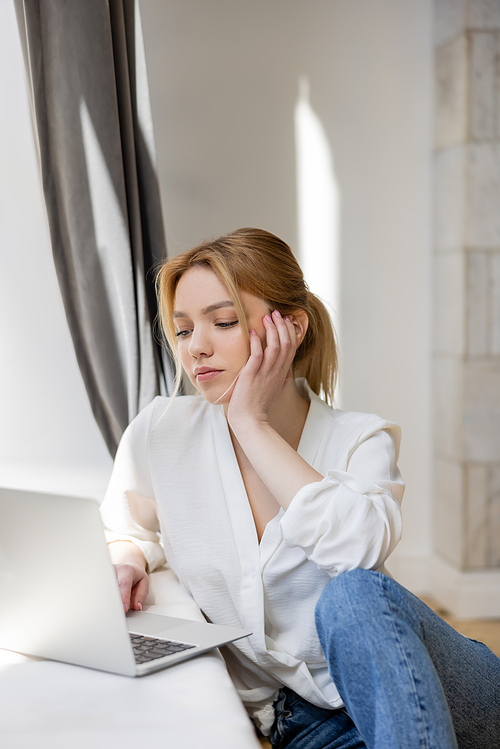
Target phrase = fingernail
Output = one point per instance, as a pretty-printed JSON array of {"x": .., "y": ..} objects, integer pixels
[
  {"x": 287, "y": 319},
  {"x": 253, "y": 332},
  {"x": 277, "y": 313},
  {"x": 139, "y": 605},
  {"x": 269, "y": 318}
]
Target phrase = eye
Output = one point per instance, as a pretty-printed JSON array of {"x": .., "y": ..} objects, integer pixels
[
  {"x": 182, "y": 333},
  {"x": 227, "y": 324}
]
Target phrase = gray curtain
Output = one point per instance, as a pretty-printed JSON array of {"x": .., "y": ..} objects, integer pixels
[{"x": 92, "y": 120}]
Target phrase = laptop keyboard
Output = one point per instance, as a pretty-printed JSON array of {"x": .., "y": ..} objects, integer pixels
[{"x": 150, "y": 648}]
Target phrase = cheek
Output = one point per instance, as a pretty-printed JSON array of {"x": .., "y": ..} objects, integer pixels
[
  {"x": 185, "y": 358},
  {"x": 233, "y": 349},
  {"x": 238, "y": 346}
]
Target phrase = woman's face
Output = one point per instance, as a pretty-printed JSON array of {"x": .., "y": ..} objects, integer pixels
[{"x": 212, "y": 346}]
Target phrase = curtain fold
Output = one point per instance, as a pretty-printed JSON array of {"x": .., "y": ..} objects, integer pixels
[{"x": 92, "y": 119}]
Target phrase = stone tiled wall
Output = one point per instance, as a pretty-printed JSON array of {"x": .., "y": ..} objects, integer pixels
[{"x": 467, "y": 284}]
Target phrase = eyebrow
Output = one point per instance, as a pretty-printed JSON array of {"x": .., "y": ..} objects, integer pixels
[{"x": 207, "y": 310}]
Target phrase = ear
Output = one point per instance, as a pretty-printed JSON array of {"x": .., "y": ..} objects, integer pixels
[{"x": 300, "y": 322}]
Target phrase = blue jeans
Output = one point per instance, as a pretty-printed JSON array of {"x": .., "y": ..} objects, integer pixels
[{"x": 408, "y": 680}]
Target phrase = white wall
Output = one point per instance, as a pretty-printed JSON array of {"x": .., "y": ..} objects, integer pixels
[
  {"x": 224, "y": 84},
  {"x": 48, "y": 437}
]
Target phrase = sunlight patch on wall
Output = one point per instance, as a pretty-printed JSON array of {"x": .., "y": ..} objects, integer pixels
[{"x": 318, "y": 205}]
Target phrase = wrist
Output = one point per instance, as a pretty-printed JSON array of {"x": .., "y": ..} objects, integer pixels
[
  {"x": 126, "y": 552},
  {"x": 248, "y": 425}
]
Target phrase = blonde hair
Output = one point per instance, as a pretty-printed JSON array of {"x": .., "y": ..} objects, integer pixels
[{"x": 261, "y": 264}]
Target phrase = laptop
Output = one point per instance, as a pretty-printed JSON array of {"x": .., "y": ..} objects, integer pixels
[{"x": 60, "y": 597}]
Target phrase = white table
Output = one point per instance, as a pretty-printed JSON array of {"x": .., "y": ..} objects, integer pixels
[{"x": 51, "y": 705}]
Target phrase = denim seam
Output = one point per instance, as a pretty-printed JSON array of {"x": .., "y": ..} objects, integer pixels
[
  {"x": 281, "y": 715},
  {"x": 407, "y": 661}
]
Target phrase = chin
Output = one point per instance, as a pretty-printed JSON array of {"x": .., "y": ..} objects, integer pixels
[
  {"x": 215, "y": 398},
  {"x": 219, "y": 395}
]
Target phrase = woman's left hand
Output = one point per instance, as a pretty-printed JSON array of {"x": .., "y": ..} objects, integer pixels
[{"x": 262, "y": 379}]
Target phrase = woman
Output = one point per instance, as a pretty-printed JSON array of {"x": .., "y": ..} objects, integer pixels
[{"x": 277, "y": 514}]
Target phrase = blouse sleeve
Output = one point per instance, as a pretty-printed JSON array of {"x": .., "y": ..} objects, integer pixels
[
  {"x": 128, "y": 510},
  {"x": 351, "y": 518}
]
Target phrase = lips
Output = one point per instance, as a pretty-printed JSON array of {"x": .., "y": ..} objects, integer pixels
[{"x": 203, "y": 374}]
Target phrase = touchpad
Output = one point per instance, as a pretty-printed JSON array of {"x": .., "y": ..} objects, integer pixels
[{"x": 153, "y": 624}]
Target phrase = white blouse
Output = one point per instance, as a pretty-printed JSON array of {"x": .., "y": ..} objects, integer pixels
[{"x": 177, "y": 492}]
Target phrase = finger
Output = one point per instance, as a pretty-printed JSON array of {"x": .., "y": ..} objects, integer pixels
[
  {"x": 139, "y": 594},
  {"x": 125, "y": 587},
  {"x": 295, "y": 344},
  {"x": 293, "y": 333},
  {"x": 272, "y": 350},
  {"x": 255, "y": 359},
  {"x": 291, "y": 329},
  {"x": 286, "y": 338}
]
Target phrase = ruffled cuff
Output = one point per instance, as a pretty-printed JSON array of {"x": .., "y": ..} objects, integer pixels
[
  {"x": 343, "y": 522},
  {"x": 152, "y": 550}
]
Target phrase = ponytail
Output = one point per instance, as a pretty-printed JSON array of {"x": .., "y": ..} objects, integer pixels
[{"x": 316, "y": 358}]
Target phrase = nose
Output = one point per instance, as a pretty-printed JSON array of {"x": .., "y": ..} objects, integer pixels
[{"x": 199, "y": 343}]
